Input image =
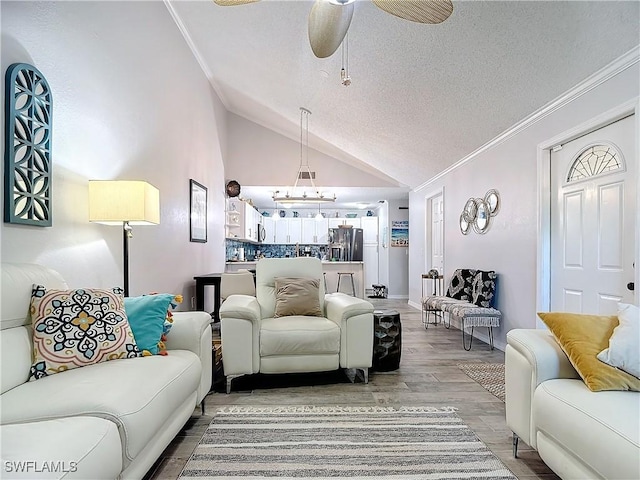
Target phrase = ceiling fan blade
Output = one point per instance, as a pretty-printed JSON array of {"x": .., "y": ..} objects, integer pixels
[
  {"x": 233, "y": 3},
  {"x": 328, "y": 24},
  {"x": 421, "y": 11}
]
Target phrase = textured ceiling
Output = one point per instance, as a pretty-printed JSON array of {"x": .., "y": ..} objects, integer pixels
[{"x": 422, "y": 96}]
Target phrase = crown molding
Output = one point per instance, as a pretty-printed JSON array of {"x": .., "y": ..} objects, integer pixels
[
  {"x": 196, "y": 53},
  {"x": 619, "y": 65}
]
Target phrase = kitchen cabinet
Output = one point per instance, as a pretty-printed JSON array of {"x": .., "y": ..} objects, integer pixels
[
  {"x": 269, "y": 224},
  {"x": 288, "y": 230},
  {"x": 371, "y": 265},
  {"x": 369, "y": 227},
  {"x": 241, "y": 220},
  {"x": 314, "y": 231}
]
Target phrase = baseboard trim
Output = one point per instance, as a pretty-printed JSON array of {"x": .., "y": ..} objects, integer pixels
[
  {"x": 415, "y": 305},
  {"x": 398, "y": 297}
]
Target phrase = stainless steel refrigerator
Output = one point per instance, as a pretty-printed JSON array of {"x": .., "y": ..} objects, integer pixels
[{"x": 345, "y": 244}]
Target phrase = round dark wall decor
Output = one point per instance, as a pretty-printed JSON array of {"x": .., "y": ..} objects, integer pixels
[{"x": 233, "y": 188}]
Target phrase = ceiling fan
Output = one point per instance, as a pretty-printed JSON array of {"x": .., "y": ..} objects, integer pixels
[{"x": 329, "y": 20}]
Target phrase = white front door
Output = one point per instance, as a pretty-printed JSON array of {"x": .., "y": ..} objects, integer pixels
[
  {"x": 593, "y": 215},
  {"x": 437, "y": 233}
]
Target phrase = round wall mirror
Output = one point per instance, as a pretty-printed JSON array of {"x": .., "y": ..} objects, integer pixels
[
  {"x": 464, "y": 225},
  {"x": 492, "y": 199},
  {"x": 470, "y": 210},
  {"x": 481, "y": 225}
]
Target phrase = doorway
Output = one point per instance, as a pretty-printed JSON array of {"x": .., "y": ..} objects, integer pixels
[
  {"x": 434, "y": 239},
  {"x": 588, "y": 230},
  {"x": 593, "y": 220}
]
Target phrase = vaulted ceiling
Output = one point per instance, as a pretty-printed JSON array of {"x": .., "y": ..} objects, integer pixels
[{"x": 422, "y": 96}]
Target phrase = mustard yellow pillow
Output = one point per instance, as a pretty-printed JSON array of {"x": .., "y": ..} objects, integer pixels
[{"x": 582, "y": 337}]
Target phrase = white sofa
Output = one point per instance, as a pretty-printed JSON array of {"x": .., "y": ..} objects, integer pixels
[
  {"x": 104, "y": 421},
  {"x": 255, "y": 342},
  {"x": 578, "y": 433}
]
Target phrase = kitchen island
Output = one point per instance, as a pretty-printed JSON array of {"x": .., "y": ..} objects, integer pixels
[{"x": 331, "y": 269}]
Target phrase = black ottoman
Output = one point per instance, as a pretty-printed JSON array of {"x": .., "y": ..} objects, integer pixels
[{"x": 387, "y": 340}]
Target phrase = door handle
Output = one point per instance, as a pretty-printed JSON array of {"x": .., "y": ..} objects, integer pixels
[{"x": 631, "y": 286}]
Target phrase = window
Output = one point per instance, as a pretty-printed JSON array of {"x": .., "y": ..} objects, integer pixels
[{"x": 593, "y": 161}]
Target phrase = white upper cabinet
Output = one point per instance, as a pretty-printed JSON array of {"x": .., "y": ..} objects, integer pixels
[
  {"x": 269, "y": 224},
  {"x": 369, "y": 229},
  {"x": 314, "y": 231},
  {"x": 241, "y": 220}
]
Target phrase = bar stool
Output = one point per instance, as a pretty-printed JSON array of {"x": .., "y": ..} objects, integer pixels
[{"x": 353, "y": 285}]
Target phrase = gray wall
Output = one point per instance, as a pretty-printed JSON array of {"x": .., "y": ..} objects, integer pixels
[
  {"x": 511, "y": 167},
  {"x": 129, "y": 102}
]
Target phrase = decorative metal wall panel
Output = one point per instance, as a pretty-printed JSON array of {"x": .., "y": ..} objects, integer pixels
[{"x": 28, "y": 117}]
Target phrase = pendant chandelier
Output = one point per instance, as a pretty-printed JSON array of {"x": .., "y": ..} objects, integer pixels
[{"x": 298, "y": 194}]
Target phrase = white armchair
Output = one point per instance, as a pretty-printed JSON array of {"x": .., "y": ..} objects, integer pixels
[{"x": 253, "y": 341}]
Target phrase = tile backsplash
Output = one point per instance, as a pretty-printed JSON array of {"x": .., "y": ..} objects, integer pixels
[{"x": 271, "y": 251}]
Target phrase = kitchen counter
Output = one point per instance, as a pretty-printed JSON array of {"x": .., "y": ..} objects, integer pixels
[{"x": 330, "y": 269}]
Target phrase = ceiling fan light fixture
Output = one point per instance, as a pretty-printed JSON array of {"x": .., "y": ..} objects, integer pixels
[
  {"x": 420, "y": 11},
  {"x": 341, "y": 2}
]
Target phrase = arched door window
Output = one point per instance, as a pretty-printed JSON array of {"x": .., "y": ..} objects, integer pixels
[{"x": 598, "y": 159}]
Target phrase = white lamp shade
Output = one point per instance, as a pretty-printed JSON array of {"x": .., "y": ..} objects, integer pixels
[{"x": 112, "y": 202}]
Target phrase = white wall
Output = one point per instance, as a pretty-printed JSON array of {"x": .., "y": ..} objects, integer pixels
[
  {"x": 259, "y": 156},
  {"x": 510, "y": 246},
  {"x": 398, "y": 256},
  {"x": 129, "y": 102}
]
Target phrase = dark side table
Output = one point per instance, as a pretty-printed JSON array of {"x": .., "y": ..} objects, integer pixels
[
  {"x": 387, "y": 340},
  {"x": 210, "y": 279}
]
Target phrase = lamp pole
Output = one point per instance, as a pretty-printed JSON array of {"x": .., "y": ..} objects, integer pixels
[{"x": 126, "y": 234}]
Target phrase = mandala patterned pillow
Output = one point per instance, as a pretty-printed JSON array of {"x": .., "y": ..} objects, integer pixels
[
  {"x": 75, "y": 328},
  {"x": 460, "y": 286},
  {"x": 484, "y": 288}
]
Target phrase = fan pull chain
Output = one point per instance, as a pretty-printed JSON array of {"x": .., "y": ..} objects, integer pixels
[{"x": 344, "y": 72}]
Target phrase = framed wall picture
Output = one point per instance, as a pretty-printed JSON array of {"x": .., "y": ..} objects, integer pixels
[
  {"x": 198, "y": 212},
  {"x": 400, "y": 233}
]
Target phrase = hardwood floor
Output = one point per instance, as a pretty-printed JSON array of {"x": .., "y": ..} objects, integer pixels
[{"x": 428, "y": 376}]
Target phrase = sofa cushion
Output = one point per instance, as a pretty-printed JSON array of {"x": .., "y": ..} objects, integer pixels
[
  {"x": 461, "y": 284},
  {"x": 74, "y": 447},
  {"x": 299, "y": 335},
  {"x": 582, "y": 337},
  {"x": 624, "y": 344},
  {"x": 79, "y": 327},
  {"x": 583, "y": 423},
  {"x": 297, "y": 296},
  {"x": 138, "y": 394}
]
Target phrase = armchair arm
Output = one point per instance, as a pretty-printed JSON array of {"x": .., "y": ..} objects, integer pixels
[
  {"x": 340, "y": 307},
  {"x": 192, "y": 331},
  {"x": 355, "y": 318},
  {"x": 245, "y": 307},
  {"x": 531, "y": 357},
  {"x": 240, "y": 321}
]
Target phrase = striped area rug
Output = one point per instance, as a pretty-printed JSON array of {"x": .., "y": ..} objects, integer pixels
[{"x": 341, "y": 442}]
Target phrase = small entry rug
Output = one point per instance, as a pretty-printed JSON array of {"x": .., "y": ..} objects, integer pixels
[
  {"x": 305, "y": 442},
  {"x": 489, "y": 375}
]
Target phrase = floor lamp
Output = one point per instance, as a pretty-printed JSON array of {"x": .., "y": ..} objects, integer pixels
[{"x": 124, "y": 203}]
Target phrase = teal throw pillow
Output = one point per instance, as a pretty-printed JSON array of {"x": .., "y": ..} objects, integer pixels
[{"x": 147, "y": 316}]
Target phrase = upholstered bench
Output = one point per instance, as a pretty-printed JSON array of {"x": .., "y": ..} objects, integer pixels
[{"x": 469, "y": 299}]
